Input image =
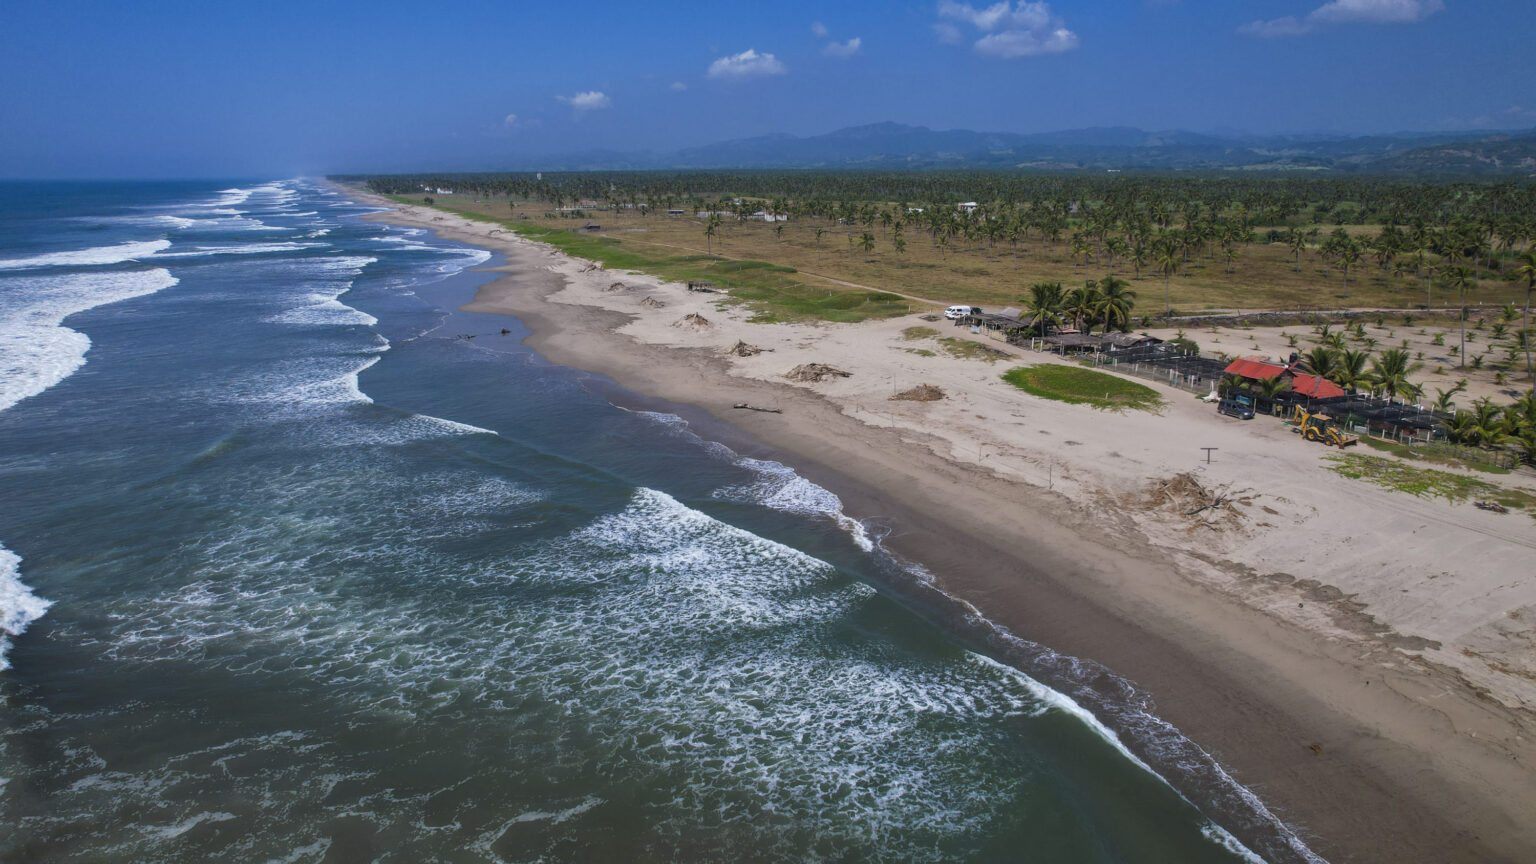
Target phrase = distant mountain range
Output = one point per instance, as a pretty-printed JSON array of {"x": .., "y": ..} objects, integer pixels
[{"x": 893, "y": 146}]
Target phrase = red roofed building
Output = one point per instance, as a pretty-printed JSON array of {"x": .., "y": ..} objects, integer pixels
[
  {"x": 1253, "y": 367},
  {"x": 1314, "y": 387},
  {"x": 1302, "y": 384}
]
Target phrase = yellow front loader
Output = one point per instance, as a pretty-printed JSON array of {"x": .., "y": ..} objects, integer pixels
[{"x": 1314, "y": 428}]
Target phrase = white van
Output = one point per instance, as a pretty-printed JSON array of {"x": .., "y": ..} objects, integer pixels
[{"x": 957, "y": 312}]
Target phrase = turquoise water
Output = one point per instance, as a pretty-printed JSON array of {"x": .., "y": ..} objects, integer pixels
[{"x": 294, "y": 570}]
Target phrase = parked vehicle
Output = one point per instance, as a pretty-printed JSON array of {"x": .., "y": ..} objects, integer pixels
[
  {"x": 1237, "y": 406},
  {"x": 957, "y": 312}
]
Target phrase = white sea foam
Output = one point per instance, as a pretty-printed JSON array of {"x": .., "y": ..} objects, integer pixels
[
  {"x": 36, "y": 350},
  {"x": 18, "y": 605},
  {"x": 96, "y": 256},
  {"x": 244, "y": 249},
  {"x": 228, "y": 198},
  {"x": 325, "y": 311}
]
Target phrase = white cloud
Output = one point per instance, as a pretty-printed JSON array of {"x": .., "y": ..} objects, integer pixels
[
  {"x": 510, "y": 121},
  {"x": 1346, "y": 12},
  {"x": 678, "y": 86},
  {"x": 747, "y": 64},
  {"x": 1009, "y": 30},
  {"x": 590, "y": 100},
  {"x": 819, "y": 29},
  {"x": 843, "y": 49}
]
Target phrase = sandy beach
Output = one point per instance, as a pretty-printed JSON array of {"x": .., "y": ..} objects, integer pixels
[{"x": 1363, "y": 660}]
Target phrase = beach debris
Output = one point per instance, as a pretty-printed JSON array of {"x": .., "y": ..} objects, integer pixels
[
  {"x": 652, "y": 302},
  {"x": 815, "y": 372},
  {"x": 702, "y": 287},
  {"x": 1317, "y": 749},
  {"x": 591, "y": 265},
  {"x": 930, "y": 317},
  {"x": 694, "y": 320},
  {"x": 742, "y": 349},
  {"x": 1490, "y": 506},
  {"x": 745, "y": 407},
  {"x": 616, "y": 286},
  {"x": 920, "y": 393},
  {"x": 1184, "y": 495},
  {"x": 505, "y": 331}
]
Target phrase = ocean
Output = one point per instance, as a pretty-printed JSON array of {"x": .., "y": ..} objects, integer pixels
[{"x": 299, "y": 562}]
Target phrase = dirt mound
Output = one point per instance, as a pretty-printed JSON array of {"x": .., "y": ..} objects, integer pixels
[
  {"x": 617, "y": 286},
  {"x": 742, "y": 349},
  {"x": 592, "y": 265},
  {"x": 652, "y": 302},
  {"x": 920, "y": 393},
  {"x": 815, "y": 372},
  {"x": 1202, "y": 506},
  {"x": 693, "y": 320}
]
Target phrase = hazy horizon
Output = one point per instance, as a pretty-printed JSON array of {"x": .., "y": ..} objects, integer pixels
[{"x": 102, "y": 91}]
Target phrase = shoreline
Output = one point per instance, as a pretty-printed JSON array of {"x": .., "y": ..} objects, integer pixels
[{"x": 1395, "y": 775}]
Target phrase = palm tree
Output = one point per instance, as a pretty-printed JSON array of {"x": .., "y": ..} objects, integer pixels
[
  {"x": 1271, "y": 388},
  {"x": 1321, "y": 361},
  {"x": 1081, "y": 303},
  {"x": 1349, "y": 371},
  {"x": 1116, "y": 301},
  {"x": 1298, "y": 242},
  {"x": 711, "y": 231},
  {"x": 1168, "y": 261},
  {"x": 1044, "y": 305},
  {"x": 1527, "y": 271},
  {"x": 1462, "y": 427},
  {"x": 1349, "y": 256},
  {"x": 1461, "y": 278},
  {"x": 1490, "y": 428},
  {"x": 1390, "y": 371},
  {"x": 1443, "y": 398},
  {"x": 867, "y": 242},
  {"x": 819, "y": 232}
]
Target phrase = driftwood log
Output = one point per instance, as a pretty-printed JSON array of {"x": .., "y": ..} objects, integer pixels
[{"x": 745, "y": 407}]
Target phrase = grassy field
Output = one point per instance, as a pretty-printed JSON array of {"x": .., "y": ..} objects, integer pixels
[
  {"x": 774, "y": 292},
  {"x": 1427, "y": 482},
  {"x": 1264, "y": 276},
  {"x": 1080, "y": 386}
]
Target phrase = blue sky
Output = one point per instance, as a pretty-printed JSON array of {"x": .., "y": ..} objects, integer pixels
[{"x": 216, "y": 89}]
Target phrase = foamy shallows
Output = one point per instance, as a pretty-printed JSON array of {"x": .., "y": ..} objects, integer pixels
[
  {"x": 18, "y": 605},
  {"x": 97, "y": 256},
  {"x": 36, "y": 350}
]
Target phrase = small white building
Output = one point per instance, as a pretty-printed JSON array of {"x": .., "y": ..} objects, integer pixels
[
  {"x": 765, "y": 216},
  {"x": 967, "y": 206}
]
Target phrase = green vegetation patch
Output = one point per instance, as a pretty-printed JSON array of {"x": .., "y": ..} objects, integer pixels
[
  {"x": 966, "y": 349},
  {"x": 769, "y": 290},
  {"x": 1427, "y": 482},
  {"x": 1079, "y": 386},
  {"x": 913, "y": 333},
  {"x": 1406, "y": 451}
]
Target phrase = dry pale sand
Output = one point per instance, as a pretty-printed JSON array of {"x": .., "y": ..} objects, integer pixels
[{"x": 1364, "y": 660}]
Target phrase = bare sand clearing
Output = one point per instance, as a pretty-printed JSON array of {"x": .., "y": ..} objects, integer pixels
[{"x": 1364, "y": 660}]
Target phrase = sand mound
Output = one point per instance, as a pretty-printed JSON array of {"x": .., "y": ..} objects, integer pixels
[
  {"x": 920, "y": 393},
  {"x": 593, "y": 265},
  {"x": 617, "y": 286},
  {"x": 742, "y": 349},
  {"x": 694, "y": 320},
  {"x": 815, "y": 372},
  {"x": 652, "y": 302}
]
